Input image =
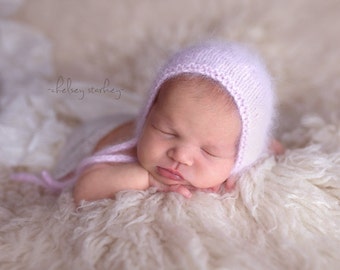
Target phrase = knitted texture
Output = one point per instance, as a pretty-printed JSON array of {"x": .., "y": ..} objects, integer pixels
[{"x": 243, "y": 75}]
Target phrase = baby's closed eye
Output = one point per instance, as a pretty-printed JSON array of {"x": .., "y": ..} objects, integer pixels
[
  {"x": 209, "y": 152},
  {"x": 164, "y": 130},
  {"x": 219, "y": 152}
]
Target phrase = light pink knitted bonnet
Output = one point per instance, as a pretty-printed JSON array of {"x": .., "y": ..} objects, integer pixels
[
  {"x": 243, "y": 76},
  {"x": 241, "y": 73}
]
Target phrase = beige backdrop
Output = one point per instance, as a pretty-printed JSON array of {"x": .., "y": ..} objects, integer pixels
[
  {"x": 284, "y": 213},
  {"x": 126, "y": 41}
]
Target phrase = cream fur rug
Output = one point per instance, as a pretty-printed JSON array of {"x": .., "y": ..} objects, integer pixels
[{"x": 285, "y": 212}]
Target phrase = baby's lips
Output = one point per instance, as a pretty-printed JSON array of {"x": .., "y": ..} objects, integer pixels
[{"x": 169, "y": 173}]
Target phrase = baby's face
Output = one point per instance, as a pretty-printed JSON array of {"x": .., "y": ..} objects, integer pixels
[{"x": 190, "y": 136}]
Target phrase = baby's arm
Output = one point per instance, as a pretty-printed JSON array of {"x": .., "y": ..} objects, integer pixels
[{"x": 102, "y": 181}]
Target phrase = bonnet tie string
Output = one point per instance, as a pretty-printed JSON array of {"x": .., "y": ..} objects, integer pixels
[{"x": 107, "y": 155}]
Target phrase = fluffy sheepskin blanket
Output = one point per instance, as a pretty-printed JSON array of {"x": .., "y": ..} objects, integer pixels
[{"x": 284, "y": 213}]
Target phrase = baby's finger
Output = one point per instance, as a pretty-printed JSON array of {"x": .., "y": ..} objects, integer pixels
[
  {"x": 181, "y": 190},
  {"x": 230, "y": 184}
]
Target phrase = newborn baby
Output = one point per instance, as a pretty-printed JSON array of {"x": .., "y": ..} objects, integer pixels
[{"x": 207, "y": 119}]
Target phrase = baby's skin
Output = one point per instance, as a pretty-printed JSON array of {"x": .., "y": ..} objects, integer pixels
[
  {"x": 208, "y": 118},
  {"x": 189, "y": 141}
]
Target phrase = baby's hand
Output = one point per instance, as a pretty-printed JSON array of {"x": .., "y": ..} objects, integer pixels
[
  {"x": 183, "y": 190},
  {"x": 276, "y": 147},
  {"x": 230, "y": 183},
  {"x": 186, "y": 191}
]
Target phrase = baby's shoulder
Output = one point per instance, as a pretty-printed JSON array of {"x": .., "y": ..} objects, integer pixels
[{"x": 117, "y": 135}]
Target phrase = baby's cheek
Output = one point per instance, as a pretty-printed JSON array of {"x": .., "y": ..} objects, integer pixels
[
  {"x": 147, "y": 153},
  {"x": 223, "y": 170},
  {"x": 155, "y": 151},
  {"x": 228, "y": 168},
  {"x": 141, "y": 152}
]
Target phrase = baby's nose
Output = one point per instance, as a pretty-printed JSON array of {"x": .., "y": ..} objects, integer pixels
[{"x": 182, "y": 154}]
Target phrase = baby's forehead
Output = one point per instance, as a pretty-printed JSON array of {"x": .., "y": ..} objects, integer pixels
[
  {"x": 199, "y": 87},
  {"x": 192, "y": 79}
]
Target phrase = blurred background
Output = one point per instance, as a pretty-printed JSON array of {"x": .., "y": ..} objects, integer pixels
[{"x": 126, "y": 41}]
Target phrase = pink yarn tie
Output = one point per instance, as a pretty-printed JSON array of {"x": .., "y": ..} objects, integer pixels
[
  {"x": 45, "y": 180},
  {"x": 107, "y": 155}
]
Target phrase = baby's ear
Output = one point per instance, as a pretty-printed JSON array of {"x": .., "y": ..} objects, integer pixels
[{"x": 276, "y": 147}]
